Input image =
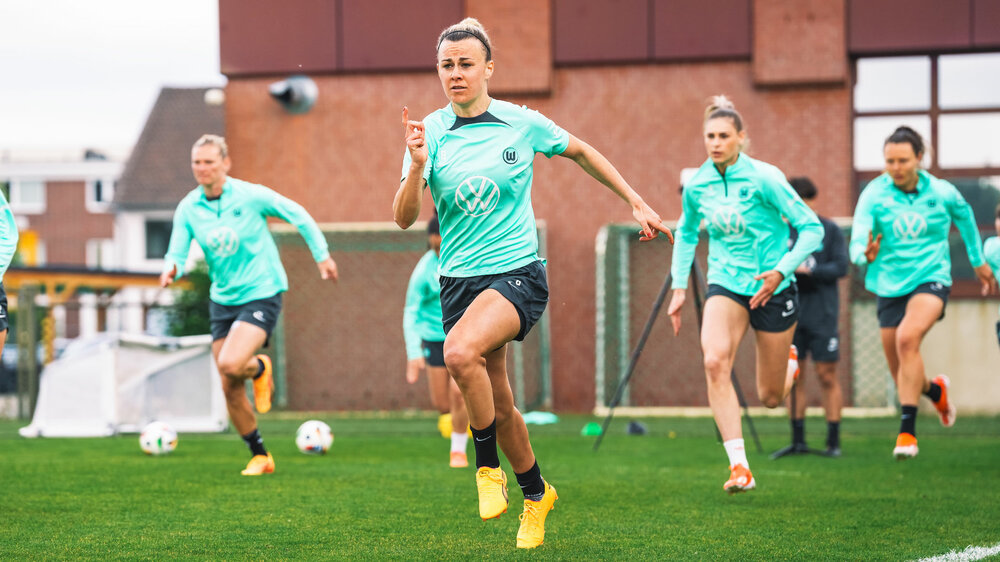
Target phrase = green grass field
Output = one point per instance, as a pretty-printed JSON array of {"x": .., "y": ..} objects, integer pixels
[{"x": 385, "y": 492}]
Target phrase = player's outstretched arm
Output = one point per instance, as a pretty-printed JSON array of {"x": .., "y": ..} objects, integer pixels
[
  {"x": 595, "y": 164},
  {"x": 406, "y": 204}
]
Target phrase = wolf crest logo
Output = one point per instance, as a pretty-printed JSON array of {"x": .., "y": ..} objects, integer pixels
[
  {"x": 510, "y": 155},
  {"x": 477, "y": 196},
  {"x": 729, "y": 221},
  {"x": 909, "y": 226}
]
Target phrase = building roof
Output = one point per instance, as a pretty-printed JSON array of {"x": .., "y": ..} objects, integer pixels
[{"x": 158, "y": 173}]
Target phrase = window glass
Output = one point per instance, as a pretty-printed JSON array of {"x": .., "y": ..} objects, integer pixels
[
  {"x": 893, "y": 84},
  {"x": 157, "y": 238},
  {"x": 870, "y": 134},
  {"x": 968, "y": 81},
  {"x": 969, "y": 140},
  {"x": 27, "y": 196}
]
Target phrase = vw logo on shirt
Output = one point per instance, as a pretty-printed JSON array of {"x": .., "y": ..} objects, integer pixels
[
  {"x": 729, "y": 221},
  {"x": 477, "y": 196},
  {"x": 909, "y": 226},
  {"x": 223, "y": 241}
]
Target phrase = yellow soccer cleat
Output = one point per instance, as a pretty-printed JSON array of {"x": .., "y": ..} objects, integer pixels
[
  {"x": 444, "y": 425},
  {"x": 532, "y": 530},
  {"x": 492, "y": 485},
  {"x": 263, "y": 386},
  {"x": 259, "y": 464}
]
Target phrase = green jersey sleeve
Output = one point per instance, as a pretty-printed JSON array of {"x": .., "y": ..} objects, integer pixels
[
  {"x": 8, "y": 236},
  {"x": 411, "y": 312},
  {"x": 273, "y": 204},
  {"x": 180, "y": 240},
  {"x": 544, "y": 135},
  {"x": 965, "y": 222},
  {"x": 790, "y": 205},
  {"x": 685, "y": 241},
  {"x": 864, "y": 221}
]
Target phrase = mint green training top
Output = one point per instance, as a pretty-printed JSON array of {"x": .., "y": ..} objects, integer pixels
[
  {"x": 991, "y": 252},
  {"x": 479, "y": 171},
  {"x": 422, "y": 312},
  {"x": 914, "y": 228},
  {"x": 232, "y": 230},
  {"x": 743, "y": 212},
  {"x": 8, "y": 236}
]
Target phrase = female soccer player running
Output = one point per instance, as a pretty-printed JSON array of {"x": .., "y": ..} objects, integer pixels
[
  {"x": 476, "y": 156},
  {"x": 744, "y": 203},
  {"x": 228, "y": 219},
  {"x": 424, "y": 337},
  {"x": 900, "y": 231}
]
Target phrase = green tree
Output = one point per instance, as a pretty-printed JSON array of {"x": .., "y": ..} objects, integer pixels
[{"x": 189, "y": 315}]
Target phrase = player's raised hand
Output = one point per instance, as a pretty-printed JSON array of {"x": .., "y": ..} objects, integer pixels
[{"x": 413, "y": 132}]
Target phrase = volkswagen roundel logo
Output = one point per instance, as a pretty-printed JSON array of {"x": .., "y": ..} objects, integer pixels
[
  {"x": 729, "y": 221},
  {"x": 909, "y": 226},
  {"x": 223, "y": 241},
  {"x": 510, "y": 155},
  {"x": 477, "y": 196}
]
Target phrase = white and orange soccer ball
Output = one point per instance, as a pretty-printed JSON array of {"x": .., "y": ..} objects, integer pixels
[
  {"x": 158, "y": 438},
  {"x": 314, "y": 437}
]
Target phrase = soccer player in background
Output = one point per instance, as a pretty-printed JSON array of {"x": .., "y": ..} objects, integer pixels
[
  {"x": 424, "y": 337},
  {"x": 476, "y": 155},
  {"x": 744, "y": 203},
  {"x": 8, "y": 245},
  {"x": 817, "y": 333},
  {"x": 901, "y": 226},
  {"x": 228, "y": 219},
  {"x": 991, "y": 251}
]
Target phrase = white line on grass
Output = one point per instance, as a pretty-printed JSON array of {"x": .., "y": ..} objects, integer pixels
[{"x": 968, "y": 555}]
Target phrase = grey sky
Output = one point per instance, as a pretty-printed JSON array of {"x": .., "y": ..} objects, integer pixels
[{"x": 83, "y": 74}]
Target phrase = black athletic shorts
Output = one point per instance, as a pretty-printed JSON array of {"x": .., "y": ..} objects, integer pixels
[
  {"x": 525, "y": 287},
  {"x": 433, "y": 353},
  {"x": 779, "y": 314},
  {"x": 262, "y": 313},
  {"x": 4, "y": 321},
  {"x": 892, "y": 309},
  {"x": 822, "y": 344}
]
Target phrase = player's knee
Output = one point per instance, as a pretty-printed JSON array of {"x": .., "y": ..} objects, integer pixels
[
  {"x": 229, "y": 368},
  {"x": 770, "y": 399},
  {"x": 907, "y": 342},
  {"x": 460, "y": 359},
  {"x": 716, "y": 366}
]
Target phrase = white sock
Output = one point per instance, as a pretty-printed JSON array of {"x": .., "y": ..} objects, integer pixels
[
  {"x": 737, "y": 453},
  {"x": 458, "y": 441}
]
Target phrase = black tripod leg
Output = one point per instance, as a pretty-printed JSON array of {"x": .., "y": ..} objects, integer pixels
[{"x": 657, "y": 305}]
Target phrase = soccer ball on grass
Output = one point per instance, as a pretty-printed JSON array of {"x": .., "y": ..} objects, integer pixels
[
  {"x": 313, "y": 437},
  {"x": 158, "y": 438}
]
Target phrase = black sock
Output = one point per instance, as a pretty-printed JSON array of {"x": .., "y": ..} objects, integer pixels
[
  {"x": 799, "y": 430},
  {"x": 908, "y": 420},
  {"x": 260, "y": 368},
  {"x": 531, "y": 483},
  {"x": 485, "y": 442},
  {"x": 255, "y": 442},
  {"x": 833, "y": 434},
  {"x": 934, "y": 392}
]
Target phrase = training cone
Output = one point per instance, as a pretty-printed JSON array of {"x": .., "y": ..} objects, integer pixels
[{"x": 592, "y": 428}]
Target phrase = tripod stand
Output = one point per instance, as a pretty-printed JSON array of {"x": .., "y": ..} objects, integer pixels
[{"x": 698, "y": 279}]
